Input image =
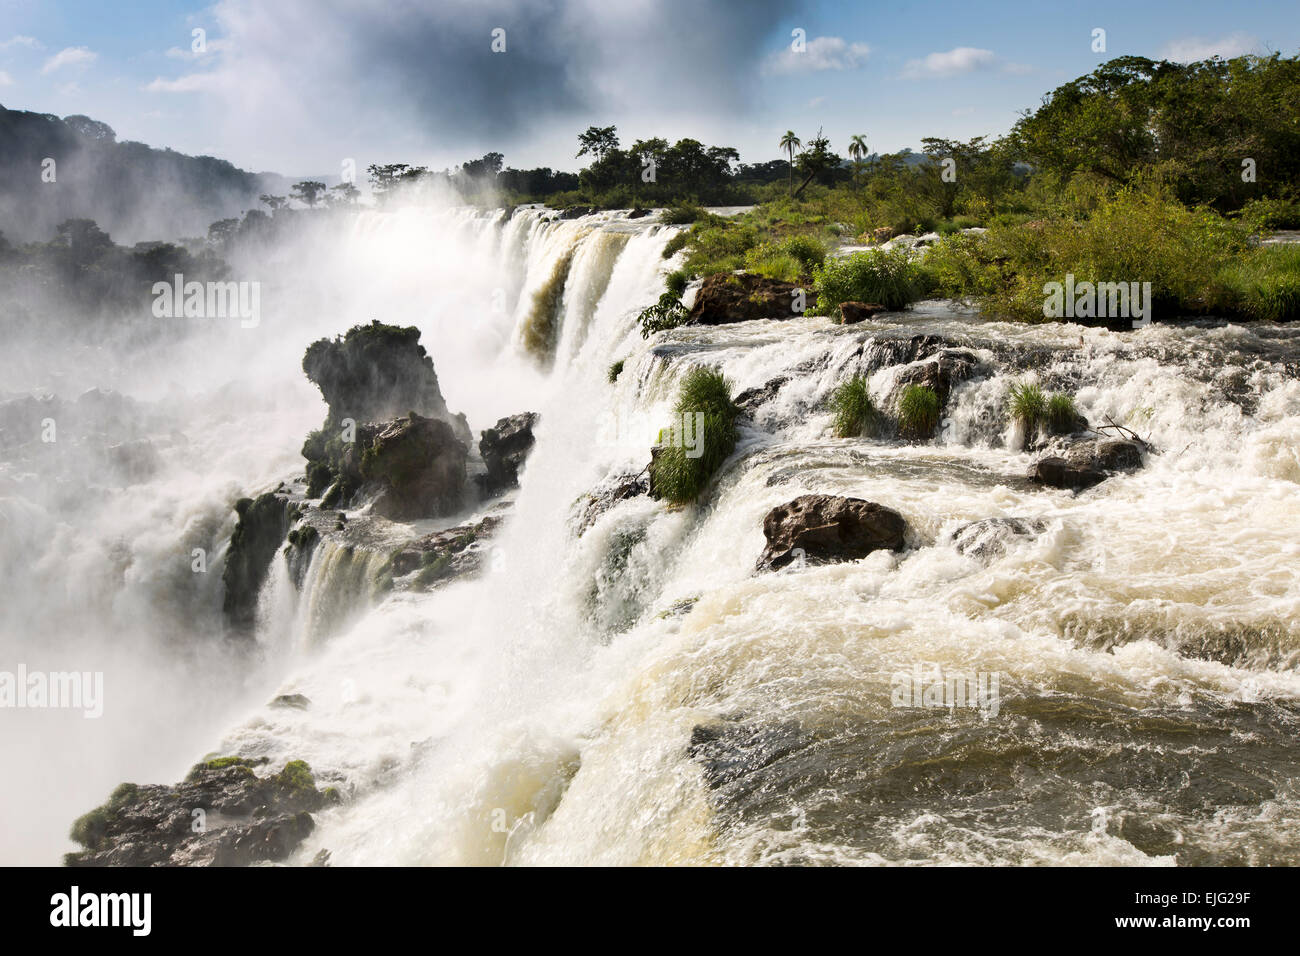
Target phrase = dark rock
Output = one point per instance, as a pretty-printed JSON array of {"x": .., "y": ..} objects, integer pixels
[
  {"x": 263, "y": 523},
  {"x": 750, "y": 399},
  {"x": 504, "y": 448},
  {"x": 132, "y": 462},
  {"x": 829, "y": 528},
  {"x": 295, "y": 701},
  {"x": 727, "y": 297},
  {"x": 853, "y": 312},
  {"x": 605, "y": 496},
  {"x": 638, "y": 213},
  {"x": 577, "y": 212},
  {"x": 418, "y": 466},
  {"x": 989, "y": 537},
  {"x": 444, "y": 555},
  {"x": 246, "y": 818},
  {"x": 939, "y": 373},
  {"x": 1087, "y": 463}
]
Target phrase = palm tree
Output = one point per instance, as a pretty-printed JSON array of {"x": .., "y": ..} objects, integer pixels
[
  {"x": 789, "y": 143},
  {"x": 857, "y": 150}
]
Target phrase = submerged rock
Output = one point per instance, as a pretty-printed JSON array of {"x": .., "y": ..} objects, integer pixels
[
  {"x": 940, "y": 373},
  {"x": 504, "y": 448},
  {"x": 750, "y": 399},
  {"x": 222, "y": 814},
  {"x": 822, "y": 529},
  {"x": 443, "y": 556},
  {"x": 605, "y": 496},
  {"x": 728, "y": 297},
  {"x": 989, "y": 537}
]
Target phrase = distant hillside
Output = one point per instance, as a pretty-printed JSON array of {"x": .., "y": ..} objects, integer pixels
[{"x": 134, "y": 192}]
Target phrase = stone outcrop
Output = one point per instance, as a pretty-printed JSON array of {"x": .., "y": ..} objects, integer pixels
[
  {"x": 415, "y": 467},
  {"x": 504, "y": 448},
  {"x": 1087, "y": 463},
  {"x": 853, "y": 312},
  {"x": 263, "y": 523},
  {"x": 728, "y": 297},
  {"x": 989, "y": 537},
  {"x": 222, "y": 814},
  {"x": 821, "y": 529}
]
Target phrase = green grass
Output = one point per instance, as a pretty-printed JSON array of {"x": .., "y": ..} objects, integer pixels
[
  {"x": 889, "y": 278},
  {"x": 674, "y": 475},
  {"x": 1028, "y": 405},
  {"x": 1062, "y": 415},
  {"x": 918, "y": 412},
  {"x": 855, "y": 415},
  {"x": 1264, "y": 284},
  {"x": 682, "y": 214},
  {"x": 789, "y": 259},
  {"x": 615, "y": 370}
]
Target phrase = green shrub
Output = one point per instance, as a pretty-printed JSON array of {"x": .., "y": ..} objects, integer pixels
[
  {"x": 682, "y": 214},
  {"x": 1265, "y": 215},
  {"x": 677, "y": 281},
  {"x": 1062, "y": 415},
  {"x": 806, "y": 252},
  {"x": 1265, "y": 284},
  {"x": 667, "y": 313},
  {"x": 615, "y": 371},
  {"x": 918, "y": 412},
  {"x": 889, "y": 278},
  {"x": 855, "y": 414},
  {"x": 674, "y": 475},
  {"x": 1028, "y": 405}
]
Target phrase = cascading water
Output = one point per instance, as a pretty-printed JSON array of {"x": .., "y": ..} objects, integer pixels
[{"x": 636, "y": 693}]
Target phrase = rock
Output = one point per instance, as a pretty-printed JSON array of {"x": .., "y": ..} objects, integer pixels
[
  {"x": 853, "y": 312},
  {"x": 829, "y": 528},
  {"x": 443, "y": 556},
  {"x": 605, "y": 496},
  {"x": 247, "y": 819},
  {"x": 727, "y": 297},
  {"x": 418, "y": 465},
  {"x": 881, "y": 234},
  {"x": 577, "y": 212},
  {"x": 989, "y": 537},
  {"x": 295, "y": 701},
  {"x": 1087, "y": 463},
  {"x": 939, "y": 373},
  {"x": 132, "y": 462},
  {"x": 374, "y": 373},
  {"x": 263, "y": 523},
  {"x": 750, "y": 399},
  {"x": 638, "y": 213},
  {"x": 504, "y": 448}
]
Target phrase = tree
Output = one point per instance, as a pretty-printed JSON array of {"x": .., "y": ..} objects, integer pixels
[
  {"x": 308, "y": 192},
  {"x": 817, "y": 162},
  {"x": 789, "y": 143},
  {"x": 598, "y": 140},
  {"x": 344, "y": 194},
  {"x": 275, "y": 202},
  {"x": 857, "y": 150}
]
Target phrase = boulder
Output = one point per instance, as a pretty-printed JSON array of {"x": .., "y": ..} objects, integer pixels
[
  {"x": 853, "y": 312},
  {"x": 443, "y": 556},
  {"x": 263, "y": 523},
  {"x": 1087, "y": 463},
  {"x": 989, "y": 537},
  {"x": 939, "y": 373},
  {"x": 751, "y": 399},
  {"x": 247, "y": 818},
  {"x": 417, "y": 466},
  {"x": 606, "y": 495},
  {"x": 829, "y": 528},
  {"x": 728, "y": 297},
  {"x": 504, "y": 448}
]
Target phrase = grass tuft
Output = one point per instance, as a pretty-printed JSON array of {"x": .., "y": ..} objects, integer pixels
[
  {"x": 855, "y": 414},
  {"x": 918, "y": 412},
  {"x": 675, "y": 475}
]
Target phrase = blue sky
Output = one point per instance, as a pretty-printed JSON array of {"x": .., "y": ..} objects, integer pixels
[{"x": 299, "y": 86}]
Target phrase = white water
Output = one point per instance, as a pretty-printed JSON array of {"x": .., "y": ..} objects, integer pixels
[{"x": 543, "y": 713}]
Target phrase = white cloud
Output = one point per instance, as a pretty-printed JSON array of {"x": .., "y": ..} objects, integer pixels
[
  {"x": 19, "y": 40},
  {"x": 962, "y": 59},
  {"x": 1191, "y": 49},
  {"x": 6, "y": 79},
  {"x": 211, "y": 47},
  {"x": 69, "y": 56},
  {"x": 819, "y": 53},
  {"x": 190, "y": 83}
]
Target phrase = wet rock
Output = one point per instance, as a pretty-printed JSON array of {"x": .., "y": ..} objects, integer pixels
[
  {"x": 443, "y": 556},
  {"x": 750, "y": 399},
  {"x": 263, "y": 524},
  {"x": 504, "y": 448},
  {"x": 577, "y": 212},
  {"x": 293, "y": 701},
  {"x": 132, "y": 462},
  {"x": 417, "y": 467},
  {"x": 1087, "y": 463},
  {"x": 827, "y": 528},
  {"x": 853, "y": 312},
  {"x": 638, "y": 213},
  {"x": 605, "y": 496},
  {"x": 740, "y": 758},
  {"x": 727, "y": 297},
  {"x": 989, "y": 538},
  {"x": 245, "y": 818},
  {"x": 939, "y": 373}
]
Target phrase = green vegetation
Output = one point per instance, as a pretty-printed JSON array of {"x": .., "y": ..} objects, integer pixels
[
  {"x": 918, "y": 412},
  {"x": 683, "y": 463},
  {"x": 667, "y": 313},
  {"x": 90, "y": 829},
  {"x": 615, "y": 370},
  {"x": 855, "y": 415},
  {"x": 1264, "y": 284},
  {"x": 889, "y": 278},
  {"x": 1028, "y": 405},
  {"x": 296, "y": 776},
  {"x": 1062, "y": 415}
]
